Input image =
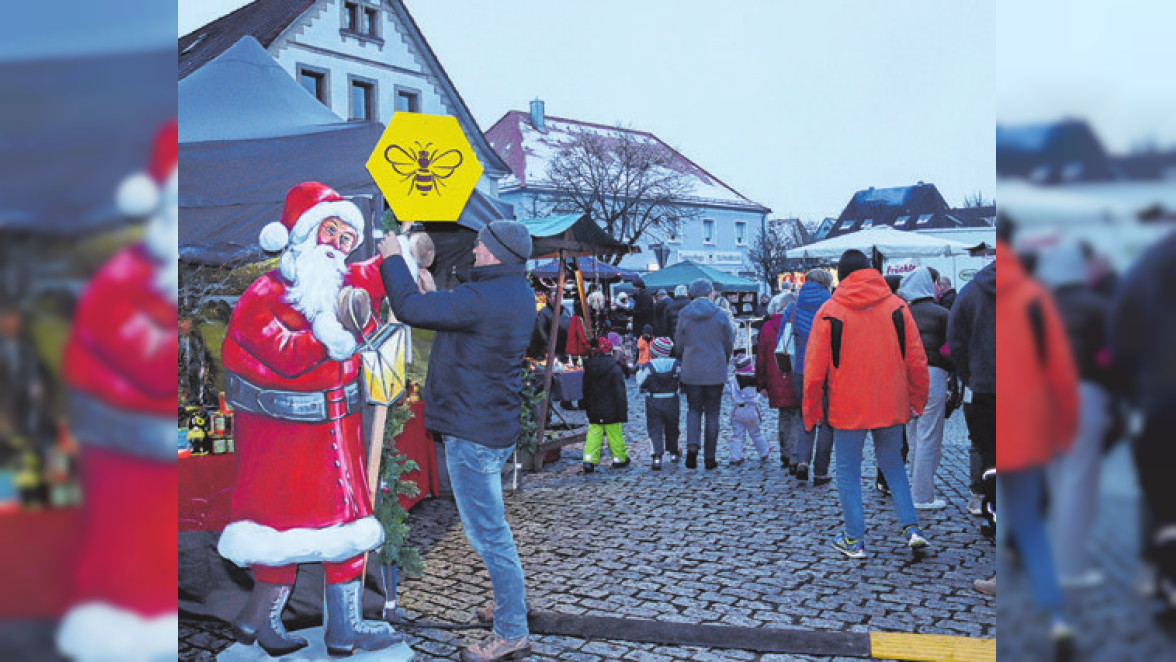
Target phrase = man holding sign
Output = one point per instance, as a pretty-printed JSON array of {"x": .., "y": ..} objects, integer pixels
[{"x": 472, "y": 390}]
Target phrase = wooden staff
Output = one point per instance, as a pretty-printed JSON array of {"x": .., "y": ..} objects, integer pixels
[{"x": 548, "y": 369}]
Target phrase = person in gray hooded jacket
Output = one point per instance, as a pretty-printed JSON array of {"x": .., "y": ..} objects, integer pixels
[{"x": 706, "y": 341}]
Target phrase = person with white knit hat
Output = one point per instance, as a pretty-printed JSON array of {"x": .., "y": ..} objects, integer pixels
[
  {"x": 119, "y": 364},
  {"x": 292, "y": 370}
]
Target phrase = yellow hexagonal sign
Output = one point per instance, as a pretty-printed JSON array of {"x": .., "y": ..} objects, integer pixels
[{"x": 425, "y": 167}]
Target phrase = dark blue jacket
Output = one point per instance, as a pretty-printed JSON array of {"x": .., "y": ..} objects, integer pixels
[
  {"x": 971, "y": 332},
  {"x": 483, "y": 329},
  {"x": 808, "y": 301},
  {"x": 1142, "y": 325}
]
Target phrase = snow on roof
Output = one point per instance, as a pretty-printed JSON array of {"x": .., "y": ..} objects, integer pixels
[
  {"x": 889, "y": 197},
  {"x": 1028, "y": 138},
  {"x": 529, "y": 152}
]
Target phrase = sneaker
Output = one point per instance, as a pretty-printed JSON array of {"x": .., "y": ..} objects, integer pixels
[
  {"x": 1089, "y": 579},
  {"x": 656, "y": 466},
  {"x": 711, "y": 464},
  {"x": 802, "y": 472},
  {"x": 932, "y": 505},
  {"x": 976, "y": 504},
  {"x": 914, "y": 537},
  {"x": 985, "y": 586},
  {"x": 674, "y": 458},
  {"x": 854, "y": 549},
  {"x": 589, "y": 467},
  {"x": 618, "y": 463},
  {"x": 822, "y": 480},
  {"x": 691, "y": 459},
  {"x": 733, "y": 463},
  {"x": 495, "y": 647}
]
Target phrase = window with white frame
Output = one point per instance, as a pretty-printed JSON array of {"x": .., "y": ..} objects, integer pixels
[
  {"x": 708, "y": 230},
  {"x": 740, "y": 232},
  {"x": 673, "y": 236},
  {"x": 868, "y": 223},
  {"x": 924, "y": 220}
]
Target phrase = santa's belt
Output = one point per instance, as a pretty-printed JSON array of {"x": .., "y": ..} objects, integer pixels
[{"x": 297, "y": 406}]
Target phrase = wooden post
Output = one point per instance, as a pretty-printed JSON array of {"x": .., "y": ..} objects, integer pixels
[{"x": 537, "y": 461}]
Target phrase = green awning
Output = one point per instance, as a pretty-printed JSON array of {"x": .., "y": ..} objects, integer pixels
[
  {"x": 686, "y": 272},
  {"x": 575, "y": 233}
]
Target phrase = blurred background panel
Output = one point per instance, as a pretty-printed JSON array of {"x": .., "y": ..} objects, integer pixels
[
  {"x": 1086, "y": 173},
  {"x": 84, "y": 87}
]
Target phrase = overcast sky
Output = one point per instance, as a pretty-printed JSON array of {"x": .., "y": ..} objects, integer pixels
[{"x": 794, "y": 104}]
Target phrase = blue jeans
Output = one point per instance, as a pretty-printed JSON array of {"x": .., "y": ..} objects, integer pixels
[
  {"x": 1020, "y": 499},
  {"x": 887, "y": 455},
  {"x": 475, "y": 476},
  {"x": 700, "y": 399}
]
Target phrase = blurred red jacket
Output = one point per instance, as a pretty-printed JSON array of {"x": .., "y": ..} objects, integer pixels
[{"x": 1037, "y": 409}]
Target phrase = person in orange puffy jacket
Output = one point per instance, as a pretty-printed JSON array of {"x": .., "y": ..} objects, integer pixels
[
  {"x": 865, "y": 349},
  {"x": 1036, "y": 416}
]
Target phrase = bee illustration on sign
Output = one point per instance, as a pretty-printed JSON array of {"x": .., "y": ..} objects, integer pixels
[{"x": 424, "y": 170}]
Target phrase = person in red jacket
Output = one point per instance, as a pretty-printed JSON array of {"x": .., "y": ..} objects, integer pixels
[
  {"x": 778, "y": 385},
  {"x": 119, "y": 364},
  {"x": 292, "y": 373},
  {"x": 1036, "y": 419},
  {"x": 865, "y": 348}
]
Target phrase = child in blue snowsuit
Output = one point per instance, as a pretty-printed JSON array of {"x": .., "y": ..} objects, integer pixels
[{"x": 659, "y": 380}]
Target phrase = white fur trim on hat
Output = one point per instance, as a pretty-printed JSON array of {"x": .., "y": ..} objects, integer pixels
[
  {"x": 310, "y": 219},
  {"x": 274, "y": 237},
  {"x": 246, "y": 542},
  {"x": 138, "y": 195},
  {"x": 102, "y": 632}
]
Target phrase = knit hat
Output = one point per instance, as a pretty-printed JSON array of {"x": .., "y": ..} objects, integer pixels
[
  {"x": 509, "y": 241},
  {"x": 851, "y": 260},
  {"x": 139, "y": 194},
  {"x": 600, "y": 346},
  {"x": 700, "y": 288},
  {"x": 307, "y": 205},
  {"x": 743, "y": 363},
  {"x": 661, "y": 347}
]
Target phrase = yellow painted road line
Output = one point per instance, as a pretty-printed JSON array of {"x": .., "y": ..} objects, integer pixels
[{"x": 930, "y": 647}]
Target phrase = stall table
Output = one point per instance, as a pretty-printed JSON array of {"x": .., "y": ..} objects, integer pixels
[{"x": 206, "y": 481}]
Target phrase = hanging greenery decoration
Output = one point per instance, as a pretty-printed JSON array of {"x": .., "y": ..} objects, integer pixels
[
  {"x": 529, "y": 399},
  {"x": 391, "y": 515}
]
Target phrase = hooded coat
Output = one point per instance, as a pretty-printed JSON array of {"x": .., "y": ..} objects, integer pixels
[
  {"x": 971, "y": 332},
  {"x": 1037, "y": 411},
  {"x": 918, "y": 290},
  {"x": 1063, "y": 269},
  {"x": 605, "y": 398},
  {"x": 808, "y": 301},
  {"x": 706, "y": 341},
  {"x": 876, "y": 378}
]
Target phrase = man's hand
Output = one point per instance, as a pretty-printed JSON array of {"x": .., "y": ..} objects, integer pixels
[
  {"x": 389, "y": 246},
  {"x": 425, "y": 281}
]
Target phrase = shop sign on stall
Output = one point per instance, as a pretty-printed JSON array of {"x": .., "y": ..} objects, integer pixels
[{"x": 425, "y": 167}]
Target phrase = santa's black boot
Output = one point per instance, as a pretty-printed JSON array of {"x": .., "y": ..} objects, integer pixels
[
  {"x": 260, "y": 620},
  {"x": 346, "y": 629}
]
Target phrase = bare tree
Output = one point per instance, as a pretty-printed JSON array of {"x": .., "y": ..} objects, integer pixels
[
  {"x": 629, "y": 183},
  {"x": 768, "y": 249},
  {"x": 977, "y": 199}
]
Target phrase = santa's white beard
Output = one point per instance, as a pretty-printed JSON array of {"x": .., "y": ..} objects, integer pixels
[
  {"x": 162, "y": 239},
  {"x": 317, "y": 273}
]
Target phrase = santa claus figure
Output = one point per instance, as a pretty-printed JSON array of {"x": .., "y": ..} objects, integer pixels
[
  {"x": 119, "y": 364},
  {"x": 292, "y": 375}
]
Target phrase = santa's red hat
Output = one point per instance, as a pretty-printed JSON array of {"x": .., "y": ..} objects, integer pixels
[
  {"x": 307, "y": 205},
  {"x": 139, "y": 194}
]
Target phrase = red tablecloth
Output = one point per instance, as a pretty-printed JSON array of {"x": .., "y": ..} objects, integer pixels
[
  {"x": 37, "y": 561},
  {"x": 206, "y": 482}
]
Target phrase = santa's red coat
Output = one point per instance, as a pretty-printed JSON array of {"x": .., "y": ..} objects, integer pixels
[
  {"x": 301, "y": 493},
  {"x": 120, "y": 363}
]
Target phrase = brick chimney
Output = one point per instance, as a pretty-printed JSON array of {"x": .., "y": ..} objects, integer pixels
[{"x": 537, "y": 118}]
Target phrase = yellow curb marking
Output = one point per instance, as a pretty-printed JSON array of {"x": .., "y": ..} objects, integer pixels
[{"x": 930, "y": 647}]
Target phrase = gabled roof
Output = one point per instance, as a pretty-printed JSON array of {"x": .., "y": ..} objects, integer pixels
[
  {"x": 263, "y": 20},
  {"x": 918, "y": 207},
  {"x": 528, "y": 152},
  {"x": 1065, "y": 151},
  {"x": 266, "y": 20}
]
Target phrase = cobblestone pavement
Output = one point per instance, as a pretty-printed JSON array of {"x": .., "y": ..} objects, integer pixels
[
  {"x": 1114, "y": 621},
  {"x": 745, "y": 546}
]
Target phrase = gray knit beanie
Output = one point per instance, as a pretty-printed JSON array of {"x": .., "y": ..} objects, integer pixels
[
  {"x": 509, "y": 241},
  {"x": 700, "y": 288}
]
